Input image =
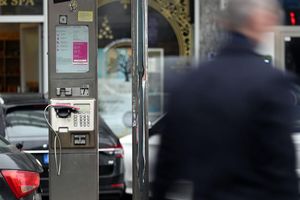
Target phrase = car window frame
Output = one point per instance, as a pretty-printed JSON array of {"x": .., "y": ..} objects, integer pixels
[{"x": 4, "y": 141}]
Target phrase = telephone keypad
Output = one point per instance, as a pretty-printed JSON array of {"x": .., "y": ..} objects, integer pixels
[
  {"x": 82, "y": 120},
  {"x": 75, "y": 120}
]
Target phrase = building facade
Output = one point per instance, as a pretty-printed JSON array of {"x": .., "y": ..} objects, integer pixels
[
  {"x": 180, "y": 33},
  {"x": 24, "y": 46}
]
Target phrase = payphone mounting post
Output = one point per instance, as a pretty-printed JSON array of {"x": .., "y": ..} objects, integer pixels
[{"x": 73, "y": 95}]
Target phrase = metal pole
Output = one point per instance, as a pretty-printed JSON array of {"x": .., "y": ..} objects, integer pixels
[
  {"x": 197, "y": 31},
  {"x": 140, "y": 166}
]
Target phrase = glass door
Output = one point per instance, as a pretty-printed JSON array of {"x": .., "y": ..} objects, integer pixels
[
  {"x": 287, "y": 49},
  {"x": 30, "y": 56}
]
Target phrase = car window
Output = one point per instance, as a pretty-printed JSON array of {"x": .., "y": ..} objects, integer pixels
[{"x": 27, "y": 127}]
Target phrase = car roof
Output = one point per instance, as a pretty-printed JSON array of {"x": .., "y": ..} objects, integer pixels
[{"x": 8, "y": 100}]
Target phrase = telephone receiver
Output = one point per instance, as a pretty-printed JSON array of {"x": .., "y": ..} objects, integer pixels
[{"x": 65, "y": 110}]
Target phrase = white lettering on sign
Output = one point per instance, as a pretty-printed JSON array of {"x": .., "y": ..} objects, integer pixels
[{"x": 17, "y": 2}]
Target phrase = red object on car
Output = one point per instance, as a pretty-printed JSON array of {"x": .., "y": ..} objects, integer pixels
[{"x": 21, "y": 183}]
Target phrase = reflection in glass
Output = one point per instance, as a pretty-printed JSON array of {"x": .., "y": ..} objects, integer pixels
[
  {"x": 28, "y": 126},
  {"x": 170, "y": 45}
]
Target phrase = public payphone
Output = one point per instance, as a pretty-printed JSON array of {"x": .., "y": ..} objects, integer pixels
[{"x": 73, "y": 110}]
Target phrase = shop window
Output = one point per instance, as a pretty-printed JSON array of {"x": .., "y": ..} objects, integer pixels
[
  {"x": 20, "y": 58},
  {"x": 170, "y": 25}
]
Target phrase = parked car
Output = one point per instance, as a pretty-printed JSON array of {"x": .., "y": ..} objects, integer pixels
[
  {"x": 182, "y": 189},
  {"x": 26, "y": 127},
  {"x": 19, "y": 173}
]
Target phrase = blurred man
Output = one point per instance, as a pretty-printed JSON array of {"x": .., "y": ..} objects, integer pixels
[{"x": 229, "y": 122}]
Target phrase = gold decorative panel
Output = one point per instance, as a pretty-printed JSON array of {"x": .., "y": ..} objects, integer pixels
[{"x": 176, "y": 12}]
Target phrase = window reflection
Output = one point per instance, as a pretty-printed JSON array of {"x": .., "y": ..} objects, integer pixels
[
  {"x": 170, "y": 47},
  {"x": 27, "y": 125}
]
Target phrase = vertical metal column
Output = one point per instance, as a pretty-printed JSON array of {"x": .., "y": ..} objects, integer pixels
[
  {"x": 140, "y": 145},
  {"x": 197, "y": 13}
]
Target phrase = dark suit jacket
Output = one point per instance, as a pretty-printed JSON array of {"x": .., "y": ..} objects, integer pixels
[{"x": 228, "y": 130}]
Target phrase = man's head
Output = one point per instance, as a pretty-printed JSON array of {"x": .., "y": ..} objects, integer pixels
[{"x": 252, "y": 18}]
